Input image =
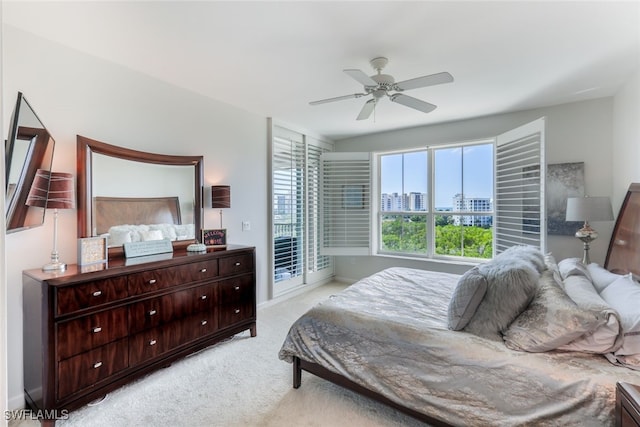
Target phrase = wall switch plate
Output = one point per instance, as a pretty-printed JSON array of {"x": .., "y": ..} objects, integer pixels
[{"x": 246, "y": 226}]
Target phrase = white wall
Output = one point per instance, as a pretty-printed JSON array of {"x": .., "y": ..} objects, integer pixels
[
  {"x": 3, "y": 261},
  {"x": 577, "y": 132},
  {"x": 74, "y": 93},
  {"x": 626, "y": 139}
]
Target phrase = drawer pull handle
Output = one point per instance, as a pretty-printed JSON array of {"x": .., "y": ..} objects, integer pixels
[
  {"x": 152, "y": 281},
  {"x": 237, "y": 264},
  {"x": 237, "y": 288},
  {"x": 152, "y": 312},
  {"x": 203, "y": 297},
  {"x": 203, "y": 322},
  {"x": 152, "y": 342},
  {"x": 97, "y": 365},
  {"x": 97, "y": 293},
  {"x": 237, "y": 310},
  {"x": 204, "y": 270},
  {"x": 96, "y": 329}
]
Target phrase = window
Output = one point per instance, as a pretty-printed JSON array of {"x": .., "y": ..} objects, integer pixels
[
  {"x": 460, "y": 191},
  {"x": 469, "y": 201}
]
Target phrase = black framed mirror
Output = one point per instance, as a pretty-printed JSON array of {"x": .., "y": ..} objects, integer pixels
[
  {"x": 120, "y": 190},
  {"x": 28, "y": 148}
]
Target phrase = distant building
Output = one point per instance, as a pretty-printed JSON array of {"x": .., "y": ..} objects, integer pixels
[{"x": 472, "y": 204}]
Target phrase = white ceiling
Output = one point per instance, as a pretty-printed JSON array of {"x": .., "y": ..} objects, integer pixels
[{"x": 273, "y": 58}]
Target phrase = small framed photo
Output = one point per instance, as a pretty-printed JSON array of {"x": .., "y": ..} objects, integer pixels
[
  {"x": 216, "y": 238},
  {"x": 93, "y": 250}
]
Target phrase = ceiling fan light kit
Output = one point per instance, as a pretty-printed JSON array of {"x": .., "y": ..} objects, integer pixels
[{"x": 380, "y": 85}]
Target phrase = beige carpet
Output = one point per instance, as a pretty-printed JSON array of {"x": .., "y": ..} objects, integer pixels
[{"x": 239, "y": 382}]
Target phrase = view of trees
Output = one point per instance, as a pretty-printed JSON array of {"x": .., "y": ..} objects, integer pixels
[{"x": 408, "y": 234}]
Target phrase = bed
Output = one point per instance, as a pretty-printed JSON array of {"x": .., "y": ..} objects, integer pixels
[{"x": 389, "y": 337}]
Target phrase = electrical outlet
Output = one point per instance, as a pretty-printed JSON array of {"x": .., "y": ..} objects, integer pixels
[{"x": 246, "y": 226}]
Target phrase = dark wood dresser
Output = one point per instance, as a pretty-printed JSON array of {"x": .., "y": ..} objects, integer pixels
[
  {"x": 85, "y": 334},
  {"x": 627, "y": 405}
]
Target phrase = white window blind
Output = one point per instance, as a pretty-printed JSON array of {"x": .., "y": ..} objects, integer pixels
[
  {"x": 346, "y": 203},
  {"x": 316, "y": 261},
  {"x": 520, "y": 188},
  {"x": 288, "y": 165}
]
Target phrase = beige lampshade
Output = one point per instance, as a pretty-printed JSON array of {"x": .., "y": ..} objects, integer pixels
[
  {"x": 52, "y": 190},
  {"x": 589, "y": 209},
  {"x": 220, "y": 196}
]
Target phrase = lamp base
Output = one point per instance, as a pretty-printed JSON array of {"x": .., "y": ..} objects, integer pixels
[{"x": 55, "y": 266}]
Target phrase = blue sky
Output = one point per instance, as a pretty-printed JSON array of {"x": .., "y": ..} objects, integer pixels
[{"x": 468, "y": 169}]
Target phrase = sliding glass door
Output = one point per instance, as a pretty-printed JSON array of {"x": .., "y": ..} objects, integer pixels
[{"x": 294, "y": 181}]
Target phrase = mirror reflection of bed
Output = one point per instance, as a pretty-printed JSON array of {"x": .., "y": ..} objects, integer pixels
[
  {"x": 135, "y": 219},
  {"x": 523, "y": 339}
]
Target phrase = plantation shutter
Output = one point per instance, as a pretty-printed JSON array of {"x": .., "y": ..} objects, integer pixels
[
  {"x": 346, "y": 203},
  {"x": 520, "y": 188},
  {"x": 317, "y": 263},
  {"x": 288, "y": 209}
]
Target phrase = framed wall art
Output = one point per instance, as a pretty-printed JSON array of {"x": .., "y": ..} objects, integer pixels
[{"x": 564, "y": 180}]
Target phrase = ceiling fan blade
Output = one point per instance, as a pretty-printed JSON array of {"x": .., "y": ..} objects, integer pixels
[
  {"x": 367, "y": 109},
  {"x": 430, "y": 80},
  {"x": 337, "y": 98},
  {"x": 412, "y": 102},
  {"x": 361, "y": 77}
]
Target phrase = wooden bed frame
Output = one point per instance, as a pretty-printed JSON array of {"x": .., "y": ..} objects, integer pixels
[
  {"x": 110, "y": 211},
  {"x": 623, "y": 256}
]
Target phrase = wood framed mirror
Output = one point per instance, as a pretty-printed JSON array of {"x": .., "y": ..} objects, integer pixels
[
  {"x": 119, "y": 187},
  {"x": 28, "y": 148}
]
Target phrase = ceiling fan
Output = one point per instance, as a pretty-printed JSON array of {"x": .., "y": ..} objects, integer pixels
[{"x": 380, "y": 85}]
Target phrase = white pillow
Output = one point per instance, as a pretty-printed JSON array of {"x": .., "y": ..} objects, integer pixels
[
  {"x": 168, "y": 230},
  {"x": 119, "y": 237},
  {"x": 600, "y": 277},
  {"x": 623, "y": 295},
  {"x": 150, "y": 235}
]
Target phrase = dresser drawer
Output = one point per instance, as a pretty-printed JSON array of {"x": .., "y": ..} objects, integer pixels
[
  {"x": 89, "y": 332},
  {"x": 154, "y": 342},
  {"x": 153, "y": 280},
  {"x": 237, "y": 312},
  {"x": 237, "y": 264},
  {"x": 91, "y": 294},
  {"x": 156, "y": 311},
  {"x": 237, "y": 289},
  {"x": 88, "y": 368}
]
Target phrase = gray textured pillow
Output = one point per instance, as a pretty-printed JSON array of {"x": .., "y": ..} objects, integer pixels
[
  {"x": 530, "y": 254},
  {"x": 551, "y": 320},
  {"x": 511, "y": 285},
  {"x": 465, "y": 299}
]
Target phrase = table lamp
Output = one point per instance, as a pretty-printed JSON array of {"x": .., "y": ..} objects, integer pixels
[
  {"x": 588, "y": 209},
  {"x": 52, "y": 190}
]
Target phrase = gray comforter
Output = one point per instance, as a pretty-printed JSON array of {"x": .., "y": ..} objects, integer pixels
[{"x": 389, "y": 333}]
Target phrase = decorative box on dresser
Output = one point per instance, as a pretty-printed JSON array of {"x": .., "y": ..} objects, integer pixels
[{"x": 88, "y": 333}]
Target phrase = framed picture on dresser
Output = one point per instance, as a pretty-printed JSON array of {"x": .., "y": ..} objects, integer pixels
[{"x": 93, "y": 251}]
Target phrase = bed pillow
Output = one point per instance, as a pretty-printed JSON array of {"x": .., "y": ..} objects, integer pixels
[
  {"x": 551, "y": 320},
  {"x": 623, "y": 295},
  {"x": 572, "y": 267},
  {"x": 601, "y": 277},
  {"x": 147, "y": 235},
  {"x": 466, "y": 297},
  {"x": 607, "y": 335},
  {"x": 529, "y": 254},
  {"x": 511, "y": 285},
  {"x": 119, "y": 237}
]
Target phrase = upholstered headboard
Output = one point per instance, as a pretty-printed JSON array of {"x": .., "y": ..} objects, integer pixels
[
  {"x": 623, "y": 255},
  {"x": 110, "y": 211}
]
